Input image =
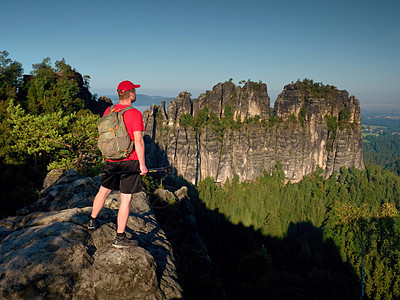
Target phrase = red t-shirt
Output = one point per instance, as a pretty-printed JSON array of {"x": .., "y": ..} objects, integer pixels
[{"x": 133, "y": 122}]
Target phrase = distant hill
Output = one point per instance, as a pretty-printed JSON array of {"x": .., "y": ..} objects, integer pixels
[{"x": 143, "y": 102}]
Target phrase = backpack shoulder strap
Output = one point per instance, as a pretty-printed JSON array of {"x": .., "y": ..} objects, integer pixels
[
  {"x": 111, "y": 108},
  {"x": 119, "y": 111},
  {"x": 125, "y": 109}
]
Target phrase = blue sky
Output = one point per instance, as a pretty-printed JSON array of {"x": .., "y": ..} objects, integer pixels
[{"x": 173, "y": 46}]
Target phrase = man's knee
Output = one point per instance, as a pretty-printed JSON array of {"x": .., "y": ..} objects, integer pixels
[
  {"x": 104, "y": 191},
  {"x": 125, "y": 198}
]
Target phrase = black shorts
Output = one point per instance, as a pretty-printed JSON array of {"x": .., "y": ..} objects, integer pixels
[{"x": 126, "y": 183}]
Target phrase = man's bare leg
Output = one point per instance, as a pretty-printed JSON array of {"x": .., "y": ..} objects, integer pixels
[
  {"x": 99, "y": 200},
  {"x": 121, "y": 241},
  {"x": 123, "y": 212}
]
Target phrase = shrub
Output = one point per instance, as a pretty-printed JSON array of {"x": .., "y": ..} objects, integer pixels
[{"x": 292, "y": 118}]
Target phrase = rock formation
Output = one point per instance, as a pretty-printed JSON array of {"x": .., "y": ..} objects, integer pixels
[
  {"x": 232, "y": 130},
  {"x": 46, "y": 252},
  {"x": 99, "y": 106}
]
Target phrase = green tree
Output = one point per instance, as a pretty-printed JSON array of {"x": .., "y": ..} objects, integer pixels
[
  {"x": 302, "y": 115},
  {"x": 10, "y": 76},
  {"x": 200, "y": 119},
  {"x": 344, "y": 117},
  {"x": 56, "y": 139},
  {"x": 40, "y": 86},
  {"x": 186, "y": 120},
  {"x": 51, "y": 89}
]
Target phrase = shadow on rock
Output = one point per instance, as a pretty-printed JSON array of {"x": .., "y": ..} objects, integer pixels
[{"x": 47, "y": 252}]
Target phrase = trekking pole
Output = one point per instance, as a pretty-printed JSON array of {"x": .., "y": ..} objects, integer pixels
[{"x": 150, "y": 171}]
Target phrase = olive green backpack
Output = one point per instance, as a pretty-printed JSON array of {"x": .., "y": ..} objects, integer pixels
[{"x": 114, "y": 141}]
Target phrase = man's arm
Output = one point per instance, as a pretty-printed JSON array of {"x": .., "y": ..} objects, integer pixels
[{"x": 139, "y": 147}]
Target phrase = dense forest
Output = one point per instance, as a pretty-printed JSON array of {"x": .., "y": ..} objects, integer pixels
[
  {"x": 382, "y": 150},
  {"x": 321, "y": 238},
  {"x": 313, "y": 239}
]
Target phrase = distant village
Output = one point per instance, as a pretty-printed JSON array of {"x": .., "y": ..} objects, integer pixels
[
  {"x": 378, "y": 130},
  {"x": 381, "y": 124}
]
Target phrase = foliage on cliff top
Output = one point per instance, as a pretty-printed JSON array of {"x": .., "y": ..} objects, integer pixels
[
  {"x": 317, "y": 89},
  {"x": 204, "y": 118},
  {"x": 50, "y": 89}
]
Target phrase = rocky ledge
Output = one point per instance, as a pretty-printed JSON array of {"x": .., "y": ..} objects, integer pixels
[{"x": 46, "y": 252}]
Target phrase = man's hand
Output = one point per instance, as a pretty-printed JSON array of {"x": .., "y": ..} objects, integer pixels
[{"x": 143, "y": 170}]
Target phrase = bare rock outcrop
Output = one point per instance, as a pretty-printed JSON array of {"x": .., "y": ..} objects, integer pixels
[
  {"x": 231, "y": 130},
  {"x": 47, "y": 252}
]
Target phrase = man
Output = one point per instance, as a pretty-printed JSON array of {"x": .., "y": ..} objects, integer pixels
[{"x": 128, "y": 184}]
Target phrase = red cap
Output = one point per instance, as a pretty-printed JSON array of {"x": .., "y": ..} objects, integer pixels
[{"x": 126, "y": 86}]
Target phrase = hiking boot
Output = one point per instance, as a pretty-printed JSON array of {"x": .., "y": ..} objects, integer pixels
[
  {"x": 92, "y": 224},
  {"x": 124, "y": 243}
]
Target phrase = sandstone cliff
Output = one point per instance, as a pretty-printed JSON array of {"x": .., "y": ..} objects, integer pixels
[
  {"x": 46, "y": 252},
  {"x": 232, "y": 130}
]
